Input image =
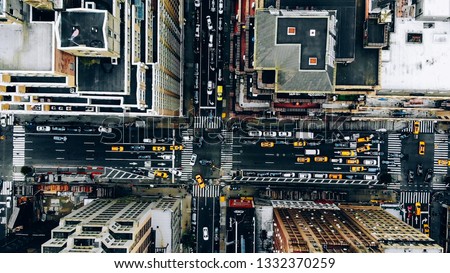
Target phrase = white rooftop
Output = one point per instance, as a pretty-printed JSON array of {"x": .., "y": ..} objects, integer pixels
[
  {"x": 436, "y": 8},
  {"x": 425, "y": 66},
  {"x": 29, "y": 47}
]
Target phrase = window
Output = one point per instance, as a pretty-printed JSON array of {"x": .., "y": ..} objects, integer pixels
[
  {"x": 291, "y": 31},
  {"x": 312, "y": 32},
  {"x": 312, "y": 61}
]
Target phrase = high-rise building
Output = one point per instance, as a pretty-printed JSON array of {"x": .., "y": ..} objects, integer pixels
[
  {"x": 104, "y": 225},
  {"x": 98, "y": 57},
  {"x": 166, "y": 222}
]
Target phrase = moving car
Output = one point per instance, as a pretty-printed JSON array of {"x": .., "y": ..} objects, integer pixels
[
  {"x": 197, "y": 3},
  {"x": 370, "y": 177},
  {"x": 158, "y": 148},
  {"x": 418, "y": 210},
  {"x": 346, "y": 153},
  {"x": 335, "y": 176},
  {"x": 254, "y": 133},
  {"x": 304, "y": 175},
  {"x": 426, "y": 229},
  {"x": 284, "y": 134},
  {"x": 428, "y": 176},
  {"x": 43, "y": 128},
  {"x": 267, "y": 144},
  {"x": 176, "y": 147},
  {"x": 166, "y": 157},
  {"x": 364, "y": 139},
  {"x": 419, "y": 169},
  {"x": 220, "y": 6},
  {"x": 117, "y": 148},
  {"x": 352, "y": 161},
  {"x": 421, "y": 147},
  {"x": 205, "y": 162},
  {"x": 416, "y": 127},
  {"x": 160, "y": 174},
  {"x": 205, "y": 234},
  {"x": 370, "y": 162},
  {"x": 193, "y": 159},
  {"x": 288, "y": 174},
  {"x": 60, "y": 138},
  {"x": 3, "y": 120},
  {"x": 270, "y": 134},
  {"x": 444, "y": 162},
  {"x": 357, "y": 169},
  {"x": 303, "y": 159},
  {"x": 320, "y": 159},
  {"x": 102, "y": 129},
  {"x": 61, "y": 129},
  {"x": 210, "y": 88},
  {"x": 200, "y": 181},
  {"x": 410, "y": 176},
  {"x": 209, "y": 22},
  {"x": 363, "y": 148},
  {"x": 299, "y": 143},
  {"x": 219, "y": 93},
  {"x": 137, "y": 147},
  {"x": 175, "y": 172},
  {"x": 144, "y": 157}
]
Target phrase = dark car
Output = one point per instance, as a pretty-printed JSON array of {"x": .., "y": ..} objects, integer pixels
[
  {"x": 137, "y": 148},
  {"x": 264, "y": 174},
  {"x": 275, "y": 174},
  {"x": 234, "y": 187},
  {"x": 250, "y": 173},
  {"x": 419, "y": 170},
  {"x": 403, "y": 136},
  {"x": 205, "y": 162},
  {"x": 428, "y": 176},
  {"x": 410, "y": 176}
]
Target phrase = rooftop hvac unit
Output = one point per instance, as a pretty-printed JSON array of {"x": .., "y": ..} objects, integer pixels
[
  {"x": 114, "y": 61},
  {"x": 89, "y": 5}
]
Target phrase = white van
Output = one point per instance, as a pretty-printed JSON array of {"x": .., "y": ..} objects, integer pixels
[{"x": 312, "y": 152}]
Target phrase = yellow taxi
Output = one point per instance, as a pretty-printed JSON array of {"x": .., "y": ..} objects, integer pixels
[
  {"x": 303, "y": 159},
  {"x": 200, "y": 181},
  {"x": 426, "y": 229},
  {"x": 117, "y": 148},
  {"x": 421, "y": 147},
  {"x": 357, "y": 169},
  {"x": 321, "y": 159},
  {"x": 364, "y": 139},
  {"x": 353, "y": 161},
  {"x": 176, "y": 147},
  {"x": 347, "y": 153},
  {"x": 444, "y": 162},
  {"x": 160, "y": 174},
  {"x": 158, "y": 148},
  {"x": 267, "y": 144},
  {"x": 364, "y": 148},
  {"x": 335, "y": 176},
  {"x": 418, "y": 210},
  {"x": 416, "y": 127},
  {"x": 299, "y": 143}
]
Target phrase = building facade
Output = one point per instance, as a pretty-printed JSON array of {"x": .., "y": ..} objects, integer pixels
[{"x": 166, "y": 222}]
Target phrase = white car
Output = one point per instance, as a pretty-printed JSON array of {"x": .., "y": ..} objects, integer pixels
[
  {"x": 175, "y": 172},
  {"x": 320, "y": 175},
  {"x": 166, "y": 157},
  {"x": 270, "y": 134},
  {"x": 3, "y": 120},
  {"x": 370, "y": 162},
  {"x": 220, "y": 6},
  {"x": 149, "y": 140},
  {"x": 370, "y": 177},
  {"x": 197, "y": 3},
  {"x": 60, "y": 138},
  {"x": 255, "y": 133},
  {"x": 102, "y": 129},
  {"x": 209, "y": 22},
  {"x": 210, "y": 87},
  {"x": 288, "y": 174},
  {"x": 205, "y": 234},
  {"x": 213, "y": 5},
  {"x": 304, "y": 175},
  {"x": 197, "y": 30},
  {"x": 285, "y": 134},
  {"x": 43, "y": 128},
  {"x": 193, "y": 159},
  {"x": 336, "y": 160}
]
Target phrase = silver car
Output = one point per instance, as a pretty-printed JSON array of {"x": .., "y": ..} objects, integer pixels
[{"x": 205, "y": 234}]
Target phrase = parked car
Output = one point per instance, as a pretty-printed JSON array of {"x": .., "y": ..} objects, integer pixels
[
  {"x": 209, "y": 22},
  {"x": 197, "y": 3},
  {"x": 370, "y": 162},
  {"x": 193, "y": 159},
  {"x": 288, "y": 174},
  {"x": 158, "y": 148},
  {"x": 60, "y": 129},
  {"x": 285, "y": 134},
  {"x": 220, "y": 7},
  {"x": 3, "y": 120},
  {"x": 254, "y": 133},
  {"x": 270, "y": 134},
  {"x": 102, "y": 129},
  {"x": 144, "y": 157},
  {"x": 410, "y": 176},
  {"x": 267, "y": 144}
]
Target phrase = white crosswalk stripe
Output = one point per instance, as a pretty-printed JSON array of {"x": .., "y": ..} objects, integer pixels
[
  {"x": 113, "y": 173},
  {"x": 186, "y": 154},
  {"x": 426, "y": 126},
  {"x": 394, "y": 147},
  {"x": 207, "y": 122},
  {"x": 208, "y": 191},
  {"x": 411, "y": 197},
  {"x": 440, "y": 152},
  {"x": 226, "y": 156},
  {"x": 18, "y": 152}
]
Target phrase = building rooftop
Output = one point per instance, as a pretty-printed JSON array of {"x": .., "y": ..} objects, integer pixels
[
  {"x": 417, "y": 65},
  {"x": 29, "y": 47},
  {"x": 83, "y": 28},
  {"x": 296, "y": 48}
]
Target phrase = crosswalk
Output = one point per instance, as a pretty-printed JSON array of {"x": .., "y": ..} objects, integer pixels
[
  {"x": 394, "y": 147},
  {"x": 226, "y": 156},
  {"x": 18, "y": 152},
  {"x": 186, "y": 153},
  {"x": 208, "y": 191},
  {"x": 426, "y": 126},
  {"x": 116, "y": 174},
  {"x": 411, "y": 197},
  {"x": 207, "y": 122},
  {"x": 440, "y": 152}
]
